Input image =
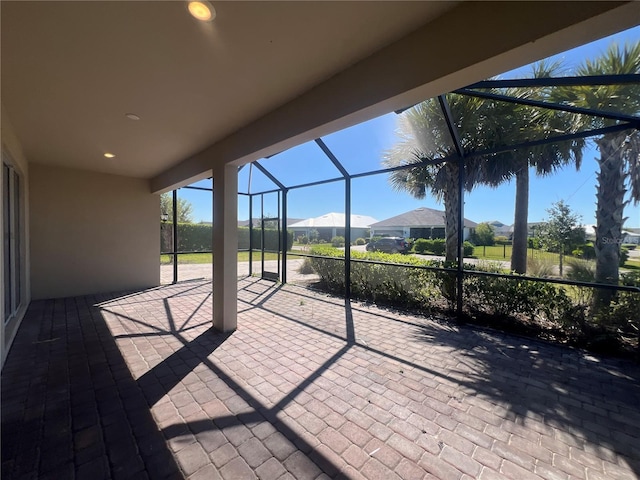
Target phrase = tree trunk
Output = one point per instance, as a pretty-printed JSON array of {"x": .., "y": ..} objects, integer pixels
[
  {"x": 609, "y": 210},
  {"x": 561, "y": 257},
  {"x": 451, "y": 211},
  {"x": 520, "y": 223}
]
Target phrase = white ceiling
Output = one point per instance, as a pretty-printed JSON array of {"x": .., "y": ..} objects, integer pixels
[{"x": 72, "y": 70}]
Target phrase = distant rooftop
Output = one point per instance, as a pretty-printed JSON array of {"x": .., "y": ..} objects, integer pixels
[
  {"x": 420, "y": 217},
  {"x": 335, "y": 220}
]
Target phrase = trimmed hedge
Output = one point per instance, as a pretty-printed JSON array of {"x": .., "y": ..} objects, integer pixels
[
  {"x": 198, "y": 237},
  {"x": 435, "y": 246},
  {"x": 523, "y": 306},
  {"x": 270, "y": 238},
  {"x": 337, "y": 241},
  {"x": 194, "y": 237},
  {"x": 438, "y": 246},
  {"x": 467, "y": 249},
  {"x": 415, "y": 288}
]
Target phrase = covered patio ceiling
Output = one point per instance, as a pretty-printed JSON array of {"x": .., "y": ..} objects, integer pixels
[{"x": 262, "y": 77}]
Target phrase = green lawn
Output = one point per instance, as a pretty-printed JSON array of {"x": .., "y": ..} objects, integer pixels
[
  {"x": 632, "y": 264},
  {"x": 503, "y": 252},
  {"x": 496, "y": 252}
]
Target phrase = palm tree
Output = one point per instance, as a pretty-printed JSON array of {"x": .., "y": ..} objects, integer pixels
[
  {"x": 482, "y": 125},
  {"x": 424, "y": 137},
  {"x": 544, "y": 159},
  {"x": 619, "y": 161}
]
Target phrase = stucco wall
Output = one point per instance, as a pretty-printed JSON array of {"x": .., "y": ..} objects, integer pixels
[{"x": 91, "y": 233}]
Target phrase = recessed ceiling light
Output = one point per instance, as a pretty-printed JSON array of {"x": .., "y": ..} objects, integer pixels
[
  {"x": 202, "y": 11},
  {"x": 109, "y": 155},
  {"x": 132, "y": 116}
]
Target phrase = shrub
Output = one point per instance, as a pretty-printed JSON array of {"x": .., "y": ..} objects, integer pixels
[
  {"x": 623, "y": 312},
  {"x": 303, "y": 240},
  {"x": 438, "y": 246},
  {"x": 616, "y": 327},
  {"x": 585, "y": 251},
  {"x": 313, "y": 236},
  {"x": 540, "y": 267},
  {"x": 360, "y": 241},
  {"x": 467, "y": 248},
  {"x": 337, "y": 241},
  {"x": 421, "y": 245},
  {"x": 386, "y": 283},
  {"x": 484, "y": 234},
  {"x": 506, "y": 297},
  {"x": 271, "y": 238},
  {"x": 533, "y": 242},
  {"x": 195, "y": 237},
  {"x": 581, "y": 270},
  {"x": 624, "y": 256},
  {"x": 526, "y": 306},
  {"x": 502, "y": 240},
  {"x": 306, "y": 268},
  {"x": 630, "y": 279},
  {"x": 491, "y": 266},
  {"x": 198, "y": 237}
]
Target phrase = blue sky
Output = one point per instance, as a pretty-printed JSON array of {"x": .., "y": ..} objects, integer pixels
[{"x": 360, "y": 149}]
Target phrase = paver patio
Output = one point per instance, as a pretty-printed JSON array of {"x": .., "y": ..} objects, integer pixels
[{"x": 139, "y": 386}]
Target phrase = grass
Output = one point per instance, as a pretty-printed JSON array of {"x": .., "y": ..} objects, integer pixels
[
  {"x": 632, "y": 264},
  {"x": 495, "y": 252},
  {"x": 199, "y": 258},
  {"x": 503, "y": 252}
]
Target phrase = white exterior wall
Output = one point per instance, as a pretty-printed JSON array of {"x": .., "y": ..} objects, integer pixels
[{"x": 92, "y": 233}]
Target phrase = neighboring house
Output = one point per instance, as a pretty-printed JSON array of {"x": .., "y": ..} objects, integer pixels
[
  {"x": 419, "y": 223},
  {"x": 500, "y": 229},
  {"x": 534, "y": 227},
  {"x": 332, "y": 225},
  {"x": 631, "y": 236},
  {"x": 256, "y": 222}
]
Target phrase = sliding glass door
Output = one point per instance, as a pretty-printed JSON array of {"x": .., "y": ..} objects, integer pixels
[{"x": 11, "y": 207}]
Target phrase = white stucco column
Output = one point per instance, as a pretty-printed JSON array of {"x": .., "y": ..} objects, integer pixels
[{"x": 225, "y": 247}]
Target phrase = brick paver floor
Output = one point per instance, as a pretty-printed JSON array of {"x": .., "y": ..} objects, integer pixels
[{"x": 139, "y": 386}]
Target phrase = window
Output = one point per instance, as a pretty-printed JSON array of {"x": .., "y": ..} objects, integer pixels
[{"x": 11, "y": 208}]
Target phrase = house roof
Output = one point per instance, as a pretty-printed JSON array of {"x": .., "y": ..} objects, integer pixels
[
  {"x": 335, "y": 220},
  {"x": 499, "y": 227},
  {"x": 496, "y": 223},
  {"x": 256, "y": 222},
  {"x": 420, "y": 217}
]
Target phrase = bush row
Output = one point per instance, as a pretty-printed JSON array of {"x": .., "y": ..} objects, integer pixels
[
  {"x": 532, "y": 307},
  {"x": 438, "y": 246},
  {"x": 198, "y": 237},
  {"x": 388, "y": 283}
]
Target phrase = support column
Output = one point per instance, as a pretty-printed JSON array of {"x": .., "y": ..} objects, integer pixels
[{"x": 225, "y": 247}]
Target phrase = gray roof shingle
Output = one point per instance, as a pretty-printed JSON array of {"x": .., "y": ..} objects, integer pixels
[{"x": 420, "y": 217}]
